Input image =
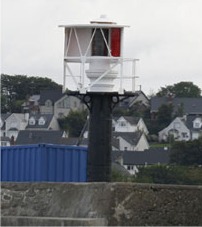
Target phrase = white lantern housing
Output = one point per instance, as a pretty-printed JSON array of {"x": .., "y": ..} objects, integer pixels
[{"x": 93, "y": 58}]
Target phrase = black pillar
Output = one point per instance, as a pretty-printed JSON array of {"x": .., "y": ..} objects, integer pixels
[{"x": 100, "y": 136}]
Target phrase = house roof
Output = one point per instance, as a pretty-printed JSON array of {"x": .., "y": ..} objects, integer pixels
[
  {"x": 39, "y": 136},
  {"x": 33, "y": 98},
  {"x": 190, "y": 105},
  {"x": 151, "y": 156},
  {"x": 134, "y": 99},
  {"x": 189, "y": 122},
  {"x": 131, "y": 137},
  {"x": 115, "y": 155},
  {"x": 3, "y": 118},
  {"x": 47, "y": 117},
  {"x": 131, "y": 120},
  {"x": 52, "y": 95},
  {"x": 130, "y": 101},
  {"x": 84, "y": 141},
  {"x": 74, "y": 141}
]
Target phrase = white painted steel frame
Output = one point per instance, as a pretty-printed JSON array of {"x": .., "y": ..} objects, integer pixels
[{"x": 83, "y": 60}]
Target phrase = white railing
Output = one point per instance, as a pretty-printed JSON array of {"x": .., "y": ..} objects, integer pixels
[{"x": 75, "y": 77}]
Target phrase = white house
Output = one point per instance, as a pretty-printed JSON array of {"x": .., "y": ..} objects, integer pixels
[
  {"x": 183, "y": 128},
  {"x": 130, "y": 132},
  {"x": 13, "y": 124},
  {"x": 132, "y": 141},
  {"x": 178, "y": 129},
  {"x": 66, "y": 103},
  {"x": 57, "y": 103},
  {"x": 130, "y": 124},
  {"x": 42, "y": 122}
]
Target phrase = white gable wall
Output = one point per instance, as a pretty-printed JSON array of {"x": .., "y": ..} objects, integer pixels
[
  {"x": 122, "y": 125},
  {"x": 178, "y": 129},
  {"x": 142, "y": 144},
  {"x": 54, "y": 124},
  {"x": 14, "y": 123},
  {"x": 142, "y": 127},
  {"x": 124, "y": 145}
]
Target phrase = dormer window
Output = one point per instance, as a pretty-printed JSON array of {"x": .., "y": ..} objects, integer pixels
[
  {"x": 41, "y": 121},
  {"x": 122, "y": 123},
  {"x": 48, "y": 103},
  {"x": 197, "y": 123},
  {"x": 32, "y": 121}
]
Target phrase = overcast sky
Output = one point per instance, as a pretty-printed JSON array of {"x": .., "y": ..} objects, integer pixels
[{"x": 166, "y": 35}]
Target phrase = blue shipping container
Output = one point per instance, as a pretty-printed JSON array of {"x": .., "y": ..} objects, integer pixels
[{"x": 43, "y": 162}]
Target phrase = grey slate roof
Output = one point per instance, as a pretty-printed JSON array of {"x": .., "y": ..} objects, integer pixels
[
  {"x": 130, "y": 137},
  {"x": 190, "y": 105},
  {"x": 132, "y": 120},
  {"x": 53, "y": 95},
  {"x": 39, "y": 136},
  {"x": 73, "y": 141},
  {"x": 47, "y": 117},
  {"x": 3, "y": 118},
  {"x": 150, "y": 157}
]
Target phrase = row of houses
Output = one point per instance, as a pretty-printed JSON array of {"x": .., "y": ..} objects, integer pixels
[
  {"x": 27, "y": 128},
  {"x": 52, "y": 102},
  {"x": 46, "y": 108},
  {"x": 40, "y": 125}
]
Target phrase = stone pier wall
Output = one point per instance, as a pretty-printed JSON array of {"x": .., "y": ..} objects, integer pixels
[{"x": 118, "y": 203}]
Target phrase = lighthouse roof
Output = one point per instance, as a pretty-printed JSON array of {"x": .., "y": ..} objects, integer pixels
[
  {"x": 102, "y": 22},
  {"x": 94, "y": 25}
]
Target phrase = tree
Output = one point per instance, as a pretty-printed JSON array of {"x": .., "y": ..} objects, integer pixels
[
  {"x": 74, "y": 122},
  {"x": 14, "y": 90},
  {"x": 162, "y": 174},
  {"x": 181, "y": 89},
  {"x": 187, "y": 153},
  {"x": 164, "y": 115}
]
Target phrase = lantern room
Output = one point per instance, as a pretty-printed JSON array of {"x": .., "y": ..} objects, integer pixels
[{"x": 93, "y": 57}]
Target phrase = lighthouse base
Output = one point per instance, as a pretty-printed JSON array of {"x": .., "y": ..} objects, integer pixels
[{"x": 100, "y": 136}]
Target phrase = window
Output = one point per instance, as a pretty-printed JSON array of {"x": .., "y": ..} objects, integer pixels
[
  {"x": 66, "y": 103},
  {"x": 41, "y": 121},
  {"x": 176, "y": 125},
  {"x": 61, "y": 115},
  {"x": 184, "y": 135},
  {"x": 32, "y": 121},
  {"x": 48, "y": 103},
  {"x": 122, "y": 123},
  {"x": 99, "y": 47},
  {"x": 3, "y": 143},
  {"x": 129, "y": 167},
  {"x": 196, "y": 125}
]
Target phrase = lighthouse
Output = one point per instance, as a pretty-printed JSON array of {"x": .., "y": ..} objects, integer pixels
[{"x": 96, "y": 72}]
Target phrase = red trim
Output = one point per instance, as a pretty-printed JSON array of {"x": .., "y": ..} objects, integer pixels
[{"x": 115, "y": 42}]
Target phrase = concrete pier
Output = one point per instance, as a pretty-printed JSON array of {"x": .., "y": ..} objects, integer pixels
[{"x": 122, "y": 204}]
